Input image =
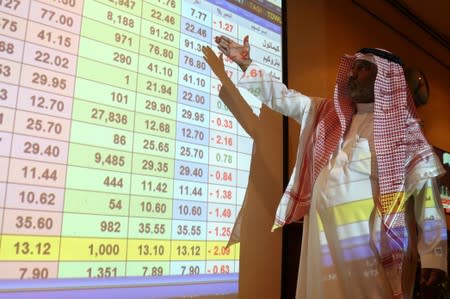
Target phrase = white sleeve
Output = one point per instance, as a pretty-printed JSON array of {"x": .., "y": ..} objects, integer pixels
[{"x": 275, "y": 94}]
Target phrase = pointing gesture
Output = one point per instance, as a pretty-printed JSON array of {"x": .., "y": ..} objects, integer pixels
[{"x": 236, "y": 52}]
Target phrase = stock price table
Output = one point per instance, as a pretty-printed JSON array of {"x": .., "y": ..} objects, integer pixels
[{"x": 117, "y": 158}]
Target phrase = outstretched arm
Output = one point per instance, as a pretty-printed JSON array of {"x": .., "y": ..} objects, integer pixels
[{"x": 261, "y": 84}]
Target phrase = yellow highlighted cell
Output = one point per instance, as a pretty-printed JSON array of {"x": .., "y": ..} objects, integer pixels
[
  {"x": 188, "y": 250},
  {"x": 29, "y": 248},
  {"x": 148, "y": 250},
  {"x": 85, "y": 249},
  {"x": 218, "y": 251}
]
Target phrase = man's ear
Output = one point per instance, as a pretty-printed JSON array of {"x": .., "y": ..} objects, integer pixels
[{"x": 418, "y": 85}]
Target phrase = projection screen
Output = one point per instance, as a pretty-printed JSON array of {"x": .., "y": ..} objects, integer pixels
[{"x": 119, "y": 164}]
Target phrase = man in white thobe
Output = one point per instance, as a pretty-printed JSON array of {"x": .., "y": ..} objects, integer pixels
[{"x": 364, "y": 178}]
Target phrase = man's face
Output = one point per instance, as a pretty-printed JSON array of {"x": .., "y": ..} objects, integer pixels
[{"x": 361, "y": 81}]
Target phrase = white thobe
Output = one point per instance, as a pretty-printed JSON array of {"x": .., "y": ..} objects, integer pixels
[
  {"x": 339, "y": 248},
  {"x": 339, "y": 256}
]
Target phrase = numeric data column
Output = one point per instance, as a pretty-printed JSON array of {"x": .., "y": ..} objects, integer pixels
[
  {"x": 190, "y": 192},
  {"x": 100, "y": 153},
  {"x": 223, "y": 164},
  {"x": 12, "y": 33},
  {"x": 35, "y": 193},
  {"x": 154, "y": 142}
]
